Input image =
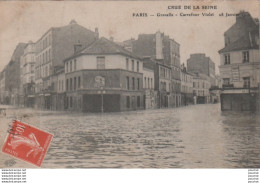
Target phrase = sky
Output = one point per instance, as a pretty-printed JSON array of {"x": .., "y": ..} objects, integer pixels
[{"x": 22, "y": 21}]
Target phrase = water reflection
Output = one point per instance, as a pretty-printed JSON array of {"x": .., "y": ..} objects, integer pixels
[{"x": 199, "y": 136}]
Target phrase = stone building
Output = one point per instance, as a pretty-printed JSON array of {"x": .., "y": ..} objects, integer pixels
[
  {"x": 148, "y": 86},
  {"x": 12, "y": 76},
  {"x": 186, "y": 86},
  {"x": 199, "y": 63},
  {"x": 163, "y": 49},
  {"x": 27, "y": 85},
  {"x": 52, "y": 48},
  {"x": 201, "y": 87},
  {"x": 2, "y": 87},
  {"x": 162, "y": 82},
  {"x": 104, "y": 77},
  {"x": 240, "y": 64}
]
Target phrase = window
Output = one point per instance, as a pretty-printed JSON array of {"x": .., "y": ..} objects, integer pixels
[
  {"x": 67, "y": 66},
  {"x": 127, "y": 83},
  {"x": 246, "y": 82},
  {"x": 67, "y": 84},
  {"x": 137, "y": 65},
  {"x": 144, "y": 82},
  {"x": 100, "y": 62},
  {"x": 133, "y": 82},
  {"x": 194, "y": 84},
  {"x": 138, "y": 101},
  {"x": 133, "y": 65},
  {"x": 75, "y": 83},
  {"x": 75, "y": 64},
  {"x": 227, "y": 59},
  {"x": 47, "y": 56},
  {"x": 138, "y": 84},
  {"x": 127, "y": 64},
  {"x": 151, "y": 82},
  {"x": 70, "y": 66},
  {"x": 245, "y": 56},
  {"x": 62, "y": 85},
  {"x": 79, "y": 82},
  {"x": 226, "y": 81},
  {"x": 70, "y": 84},
  {"x": 148, "y": 80},
  {"x": 127, "y": 102},
  {"x": 71, "y": 101}
]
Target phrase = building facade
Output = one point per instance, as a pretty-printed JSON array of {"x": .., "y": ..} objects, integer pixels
[
  {"x": 199, "y": 63},
  {"x": 201, "y": 89},
  {"x": 163, "y": 49},
  {"x": 240, "y": 65},
  {"x": 51, "y": 49},
  {"x": 186, "y": 87},
  {"x": 12, "y": 76},
  {"x": 27, "y": 76},
  {"x": 104, "y": 77},
  {"x": 2, "y": 87},
  {"x": 148, "y": 86}
]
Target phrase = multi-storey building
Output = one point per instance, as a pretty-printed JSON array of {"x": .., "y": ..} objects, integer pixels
[
  {"x": 58, "y": 101},
  {"x": 12, "y": 76},
  {"x": 104, "y": 77},
  {"x": 199, "y": 63},
  {"x": 148, "y": 86},
  {"x": 162, "y": 82},
  {"x": 52, "y": 48},
  {"x": 201, "y": 86},
  {"x": 163, "y": 49},
  {"x": 2, "y": 87},
  {"x": 27, "y": 74},
  {"x": 186, "y": 86},
  {"x": 240, "y": 64}
]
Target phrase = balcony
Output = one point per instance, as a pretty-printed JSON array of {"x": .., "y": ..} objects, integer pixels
[{"x": 228, "y": 85}]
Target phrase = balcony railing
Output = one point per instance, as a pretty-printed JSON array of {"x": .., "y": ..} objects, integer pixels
[{"x": 227, "y": 85}]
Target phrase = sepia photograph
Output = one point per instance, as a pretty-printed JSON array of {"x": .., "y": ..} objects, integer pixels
[{"x": 130, "y": 84}]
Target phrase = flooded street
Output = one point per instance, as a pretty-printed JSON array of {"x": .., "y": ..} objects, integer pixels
[{"x": 196, "y": 136}]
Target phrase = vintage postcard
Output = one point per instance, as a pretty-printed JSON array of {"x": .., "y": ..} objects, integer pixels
[{"x": 130, "y": 84}]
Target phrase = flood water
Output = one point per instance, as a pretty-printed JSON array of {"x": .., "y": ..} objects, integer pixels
[{"x": 196, "y": 136}]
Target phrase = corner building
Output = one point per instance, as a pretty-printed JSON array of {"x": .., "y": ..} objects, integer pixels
[
  {"x": 240, "y": 65},
  {"x": 104, "y": 77},
  {"x": 52, "y": 48}
]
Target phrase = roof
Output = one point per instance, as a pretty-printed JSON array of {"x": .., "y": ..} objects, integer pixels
[
  {"x": 104, "y": 46},
  {"x": 243, "y": 43}
]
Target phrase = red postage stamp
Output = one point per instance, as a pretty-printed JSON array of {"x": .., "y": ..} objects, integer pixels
[{"x": 27, "y": 143}]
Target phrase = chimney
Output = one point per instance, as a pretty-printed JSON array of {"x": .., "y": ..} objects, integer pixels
[
  {"x": 77, "y": 47},
  {"x": 158, "y": 45},
  {"x": 111, "y": 38},
  {"x": 96, "y": 32}
]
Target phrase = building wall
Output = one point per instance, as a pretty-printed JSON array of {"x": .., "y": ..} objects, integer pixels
[
  {"x": 148, "y": 79},
  {"x": 199, "y": 63},
  {"x": 115, "y": 86},
  {"x": 244, "y": 70},
  {"x": 201, "y": 89},
  {"x": 111, "y": 62},
  {"x": 186, "y": 83},
  {"x": 12, "y": 71},
  {"x": 56, "y": 45},
  {"x": 236, "y": 57}
]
